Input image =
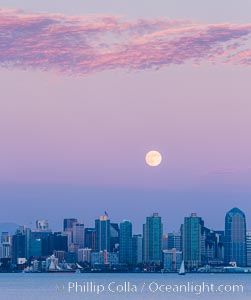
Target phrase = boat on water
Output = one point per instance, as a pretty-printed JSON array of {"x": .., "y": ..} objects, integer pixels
[
  {"x": 182, "y": 270},
  {"x": 55, "y": 268},
  {"x": 233, "y": 268},
  {"x": 52, "y": 266}
]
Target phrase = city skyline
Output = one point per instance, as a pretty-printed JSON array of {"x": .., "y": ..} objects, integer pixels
[
  {"x": 105, "y": 217},
  {"x": 111, "y": 246}
]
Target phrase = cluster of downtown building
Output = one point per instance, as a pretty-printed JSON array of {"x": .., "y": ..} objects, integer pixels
[{"x": 109, "y": 245}]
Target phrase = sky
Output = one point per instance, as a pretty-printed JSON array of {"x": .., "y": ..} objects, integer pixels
[{"x": 89, "y": 87}]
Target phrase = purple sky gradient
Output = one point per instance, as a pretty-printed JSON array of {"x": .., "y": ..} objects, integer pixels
[{"x": 84, "y": 97}]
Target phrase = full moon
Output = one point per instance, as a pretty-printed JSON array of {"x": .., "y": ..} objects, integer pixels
[{"x": 153, "y": 158}]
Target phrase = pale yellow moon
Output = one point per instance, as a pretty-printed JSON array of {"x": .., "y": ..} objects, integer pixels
[{"x": 153, "y": 158}]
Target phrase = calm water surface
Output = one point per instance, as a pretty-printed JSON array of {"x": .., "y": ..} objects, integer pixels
[{"x": 124, "y": 286}]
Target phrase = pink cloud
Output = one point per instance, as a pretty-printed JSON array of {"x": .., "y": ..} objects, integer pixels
[
  {"x": 81, "y": 45},
  {"x": 242, "y": 57}
]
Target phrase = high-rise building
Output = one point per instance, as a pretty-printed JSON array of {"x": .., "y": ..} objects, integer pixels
[
  {"x": 5, "y": 245},
  {"x": 35, "y": 248},
  {"x": 5, "y": 237},
  {"x": 235, "y": 237},
  {"x": 165, "y": 242},
  {"x": 68, "y": 223},
  {"x": 208, "y": 246},
  {"x": 84, "y": 255},
  {"x": 78, "y": 234},
  {"x": 102, "y": 227},
  {"x": 125, "y": 242},
  {"x": 46, "y": 238},
  {"x": 90, "y": 238},
  {"x": 137, "y": 249},
  {"x": 220, "y": 236},
  {"x": 192, "y": 235},
  {"x": 18, "y": 247},
  {"x": 5, "y": 250},
  {"x": 114, "y": 237},
  {"x": 152, "y": 239},
  {"x": 172, "y": 260},
  {"x": 104, "y": 257},
  {"x": 42, "y": 225},
  {"x": 59, "y": 241},
  {"x": 174, "y": 241},
  {"x": 249, "y": 248}
]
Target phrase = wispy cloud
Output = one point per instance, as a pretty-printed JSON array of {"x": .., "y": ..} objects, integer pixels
[
  {"x": 87, "y": 44},
  {"x": 223, "y": 171}
]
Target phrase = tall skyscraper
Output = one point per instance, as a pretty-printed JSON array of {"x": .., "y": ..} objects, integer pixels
[
  {"x": 220, "y": 236},
  {"x": 68, "y": 223},
  {"x": 208, "y": 246},
  {"x": 192, "y": 235},
  {"x": 59, "y": 241},
  {"x": 78, "y": 234},
  {"x": 18, "y": 247},
  {"x": 46, "y": 240},
  {"x": 35, "y": 248},
  {"x": 137, "y": 249},
  {"x": 152, "y": 239},
  {"x": 114, "y": 237},
  {"x": 102, "y": 227},
  {"x": 249, "y": 248},
  {"x": 125, "y": 242},
  {"x": 90, "y": 238},
  {"x": 68, "y": 228},
  {"x": 235, "y": 237}
]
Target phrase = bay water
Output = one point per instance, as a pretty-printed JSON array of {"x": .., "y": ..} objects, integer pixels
[{"x": 28, "y": 286}]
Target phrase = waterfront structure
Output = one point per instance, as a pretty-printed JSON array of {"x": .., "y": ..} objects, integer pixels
[
  {"x": 235, "y": 237},
  {"x": 102, "y": 227},
  {"x": 84, "y": 255},
  {"x": 90, "y": 238},
  {"x": 125, "y": 242},
  {"x": 172, "y": 260},
  {"x": 104, "y": 257},
  {"x": 152, "y": 240},
  {"x": 202, "y": 246},
  {"x": 137, "y": 249},
  {"x": 249, "y": 248},
  {"x": 192, "y": 236}
]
